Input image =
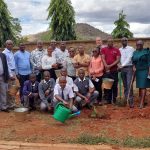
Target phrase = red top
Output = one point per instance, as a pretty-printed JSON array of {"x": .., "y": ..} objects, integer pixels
[{"x": 110, "y": 56}]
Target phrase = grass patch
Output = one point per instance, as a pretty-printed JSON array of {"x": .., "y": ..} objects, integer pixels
[
  {"x": 127, "y": 142},
  {"x": 136, "y": 142},
  {"x": 93, "y": 140}
]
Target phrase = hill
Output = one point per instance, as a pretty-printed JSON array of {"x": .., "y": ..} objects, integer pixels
[{"x": 83, "y": 31}]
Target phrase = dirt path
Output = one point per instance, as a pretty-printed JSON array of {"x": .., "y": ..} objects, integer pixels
[{"x": 11, "y": 145}]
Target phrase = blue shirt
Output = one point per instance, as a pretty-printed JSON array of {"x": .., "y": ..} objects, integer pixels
[
  {"x": 10, "y": 60},
  {"x": 22, "y": 61}
]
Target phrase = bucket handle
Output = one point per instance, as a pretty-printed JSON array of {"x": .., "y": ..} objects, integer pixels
[{"x": 60, "y": 103}]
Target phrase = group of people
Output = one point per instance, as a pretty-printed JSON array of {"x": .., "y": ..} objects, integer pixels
[{"x": 79, "y": 83}]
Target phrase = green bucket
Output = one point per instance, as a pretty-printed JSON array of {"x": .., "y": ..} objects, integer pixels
[{"x": 62, "y": 113}]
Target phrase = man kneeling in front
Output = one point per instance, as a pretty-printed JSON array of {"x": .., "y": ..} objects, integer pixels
[
  {"x": 64, "y": 93},
  {"x": 87, "y": 95}
]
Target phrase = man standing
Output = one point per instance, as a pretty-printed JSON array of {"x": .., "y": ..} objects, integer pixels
[
  {"x": 99, "y": 43},
  {"x": 61, "y": 54},
  {"x": 36, "y": 60},
  {"x": 4, "y": 76},
  {"x": 126, "y": 68},
  {"x": 111, "y": 57},
  {"x": 11, "y": 68},
  {"x": 53, "y": 44},
  {"x": 82, "y": 60},
  {"x": 23, "y": 67}
]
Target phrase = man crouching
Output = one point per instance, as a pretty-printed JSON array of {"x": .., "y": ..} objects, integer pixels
[
  {"x": 64, "y": 93},
  {"x": 46, "y": 92},
  {"x": 86, "y": 95}
]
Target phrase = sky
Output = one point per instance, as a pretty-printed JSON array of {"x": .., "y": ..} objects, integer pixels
[{"x": 98, "y": 13}]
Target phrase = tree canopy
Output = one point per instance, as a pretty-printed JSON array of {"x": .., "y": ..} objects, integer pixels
[
  {"x": 122, "y": 26},
  {"x": 9, "y": 27},
  {"x": 62, "y": 20}
]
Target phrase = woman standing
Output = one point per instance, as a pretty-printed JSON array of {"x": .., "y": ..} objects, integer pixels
[
  {"x": 96, "y": 70},
  {"x": 49, "y": 63},
  {"x": 141, "y": 66}
]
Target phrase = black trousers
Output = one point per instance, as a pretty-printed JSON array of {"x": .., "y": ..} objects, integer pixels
[
  {"x": 111, "y": 95},
  {"x": 98, "y": 87},
  {"x": 22, "y": 79},
  {"x": 39, "y": 77}
]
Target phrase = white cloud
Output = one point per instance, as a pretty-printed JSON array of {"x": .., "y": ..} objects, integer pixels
[{"x": 98, "y": 13}]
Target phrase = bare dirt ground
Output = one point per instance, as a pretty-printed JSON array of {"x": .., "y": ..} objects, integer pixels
[{"x": 118, "y": 123}]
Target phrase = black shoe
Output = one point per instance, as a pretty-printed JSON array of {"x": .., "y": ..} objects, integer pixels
[
  {"x": 89, "y": 106},
  {"x": 32, "y": 108},
  {"x": 79, "y": 106},
  {"x": 5, "y": 110}
]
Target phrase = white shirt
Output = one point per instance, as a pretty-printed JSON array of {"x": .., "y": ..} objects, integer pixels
[
  {"x": 1, "y": 67},
  {"x": 70, "y": 67},
  {"x": 67, "y": 91},
  {"x": 61, "y": 56},
  {"x": 36, "y": 59},
  {"x": 126, "y": 56},
  {"x": 91, "y": 85},
  {"x": 69, "y": 81},
  {"x": 48, "y": 61}
]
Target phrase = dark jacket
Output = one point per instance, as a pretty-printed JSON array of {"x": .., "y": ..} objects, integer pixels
[
  {"x": 27, "y": 88},
  {"x": 5, "y": 67}
]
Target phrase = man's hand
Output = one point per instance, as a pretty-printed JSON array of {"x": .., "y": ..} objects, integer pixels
[
  {"x": 47, "y": 92},
  {"x": 55, "y": 66},
  {"x": 86, "y": 99},
  {"x": 12, "y": 78},
  {"x": 35, "y": 94},
  {"x": 66, "y": 103},
  {"x": 108, "y": 67},
  {"x": 18, "y": 76},
  {"x": 39, "y": 68},
  {"x": 30, "y": 95},
  {"x": 76, "y": 65}
]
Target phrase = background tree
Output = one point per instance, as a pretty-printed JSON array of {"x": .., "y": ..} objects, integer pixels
[
  {"x": 122, "y": 26},
  {"x": 9, "y": 27},
  {"x": 62, "y": 20}
]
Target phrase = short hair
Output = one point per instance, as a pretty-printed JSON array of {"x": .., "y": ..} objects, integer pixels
[
  {"x": 62, "y": 78},
  {"x": 46, "y": 72},
  {"x": 39, "y": 41},
  {"x": 124, "y": 38},
  {"x": 9, "y": 41},
  {"x": 81, "y": 70},
  {"x": 63, "y": 69},
  {"x": 32, "y": 75}
]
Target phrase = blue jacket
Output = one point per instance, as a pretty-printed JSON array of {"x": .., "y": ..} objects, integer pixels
[{"x": 27, "y": 88}]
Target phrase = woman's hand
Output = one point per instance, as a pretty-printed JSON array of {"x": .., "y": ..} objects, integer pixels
[{"x": 134, "y": 69}]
